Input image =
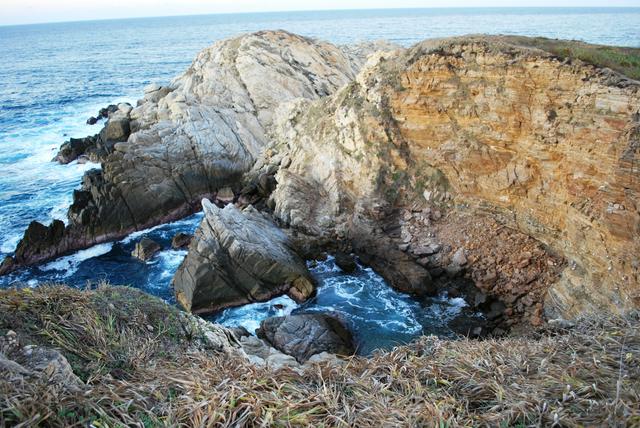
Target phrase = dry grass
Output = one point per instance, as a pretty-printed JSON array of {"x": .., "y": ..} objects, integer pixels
[
  {"x": 625, "y": 60},
  {"x": 588, "y": 376}
]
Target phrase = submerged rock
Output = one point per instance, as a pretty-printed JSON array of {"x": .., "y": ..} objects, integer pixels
[
  {"x": 238, "y": 257},
  {"x": 146, "y": 249},
  {"x": 346, "y": 262},
  {"x": 304, "y": 335}
]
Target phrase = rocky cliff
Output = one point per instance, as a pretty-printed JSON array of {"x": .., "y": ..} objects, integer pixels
[
  {"x": 465, "y": 162},
  {"x": 521, "y": 165},
  {"x": 193, "y": 137}
]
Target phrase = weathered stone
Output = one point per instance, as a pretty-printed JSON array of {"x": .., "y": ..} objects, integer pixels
[
  {"x": 237, "y": 257},
  {"x": 200, "y": 133},
  {"x": 181, "y": 240},
  {"x": 426, "y": 250},
  {"x": 346, "y": 262},
  {"x": 459, "y": 258},
  {"x": 146, "y": 249},
  {"x": 304, "y": 335},
  {"x": 225, "y": 195},
  {"x": 402, "y": 118},
  {"x": 74, "y": 148}
]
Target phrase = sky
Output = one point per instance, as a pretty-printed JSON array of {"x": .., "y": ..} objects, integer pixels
[{"x": 32, "y": 11}]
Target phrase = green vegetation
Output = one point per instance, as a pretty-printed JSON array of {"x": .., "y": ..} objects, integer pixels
[
  {"x": 150, "y": 377},
  {"x": 621, "y": 59}
]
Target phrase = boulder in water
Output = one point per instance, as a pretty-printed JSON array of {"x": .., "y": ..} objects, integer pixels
[
  {"x": 304, "y": 335},
  {"x": 146, "y": 249},
  {"x": 74, "y": 148},
  {"x": 238, "y": 257},
  {"x": 181, "y": 240},
  {"x": 346, "y": 262}
]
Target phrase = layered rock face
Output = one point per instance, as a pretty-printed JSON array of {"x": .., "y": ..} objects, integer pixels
[
  {"x": 478, "y": 132},
  {"x": 237, "y": 257},
  {"x": 198, "y": 134}
]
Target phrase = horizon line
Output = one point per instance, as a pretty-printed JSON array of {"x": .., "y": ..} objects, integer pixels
[{"x": 266, "y": 12}]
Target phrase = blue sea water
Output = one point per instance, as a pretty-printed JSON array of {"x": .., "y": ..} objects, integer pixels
[{"x": 54, "y": 76}]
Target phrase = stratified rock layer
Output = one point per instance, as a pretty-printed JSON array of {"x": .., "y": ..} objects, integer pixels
[
  {"x": 479, "y": 127},
  {"x": 238, "y": 257}
]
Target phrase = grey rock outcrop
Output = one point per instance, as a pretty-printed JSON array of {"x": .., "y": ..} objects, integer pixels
[
  {"x": 237, "y": 257},
  {"x": 197, "y": 135},
  {"x": 146, "y": 249},
  {"x": 181, "y": 240},
  {"x": 305, "y": 335}
]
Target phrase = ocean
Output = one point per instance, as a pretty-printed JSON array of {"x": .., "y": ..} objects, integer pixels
[{"x": 54, "y": 76}]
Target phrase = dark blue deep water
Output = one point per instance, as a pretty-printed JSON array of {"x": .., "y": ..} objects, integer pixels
[{"x": 54, "y": 76}]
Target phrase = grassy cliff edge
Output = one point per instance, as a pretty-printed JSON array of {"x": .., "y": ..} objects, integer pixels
[{"x": 138, "y": 366}]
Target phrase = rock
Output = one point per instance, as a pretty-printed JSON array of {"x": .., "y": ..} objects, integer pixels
[
  {"x": 427, "y": 90},
  {"x": 8, "y": 265},
  {"x": 146, "y": 249},
  {"x": 562, "y": 324},
  {"x": 151, "y": 88},
  {"x": 238, "y": 257},
  {"x": 117, "y": 129},
  {"x": 74, "y": 148},
  {"x": 266, "y": 184},
  {"x": 92, "y": 121},
  {"x": 225, "y": 195},
  {"x": 261, "y": 354},
  {"x": 104, "y": 112},
  {"x": 219, "y": 125},
  {"x": 346, "y": 262},
  {"x": 199, "y": 134},
  {"x": 52, "y": 364},
  {"x": 459, "y": 258},
  {"x": 39, "y": 241},
  {"x": 395, "y": 266},
  {"x": 31, "y": 363},
  {"x": 240, "y": 332},
  {"x": 125, "y": 108},
  {"x": 181, "y": 240},
  {"x": 304, "y": 335},
  {"x": 427, "y": 250}
]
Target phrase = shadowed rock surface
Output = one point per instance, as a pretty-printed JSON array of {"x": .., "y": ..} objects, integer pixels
[
  {"x": 238, "y": 257},
  {"x": 304, "y": 335},
  {"x": 146, "y": 249},
  {"x": 181, "y": 240}
]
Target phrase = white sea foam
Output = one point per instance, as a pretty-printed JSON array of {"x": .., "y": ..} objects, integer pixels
[
  {"x": 191, "y": 222},
  {"x": 10, "y": 244},
  {"x": 170, "y": 260},
  {"x": 250, "y": 316},
  {"x": 70, "y": 264}
]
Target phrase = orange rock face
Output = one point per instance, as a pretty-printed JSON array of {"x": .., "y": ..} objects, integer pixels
[
  {"x": 551, "y": 147},
  {"x": 547, "y": 147}
]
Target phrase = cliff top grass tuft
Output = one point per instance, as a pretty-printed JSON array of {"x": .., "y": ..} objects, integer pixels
[
  {"x": 625, "y": 60},
  {"x": 131, "y": 351}
]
